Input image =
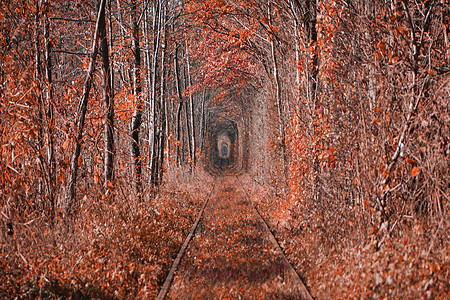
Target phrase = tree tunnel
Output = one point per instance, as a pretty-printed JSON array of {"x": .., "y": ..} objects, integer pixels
[
  {"x": 224, "y": 146},
  {"x": 228, "y": 129}
]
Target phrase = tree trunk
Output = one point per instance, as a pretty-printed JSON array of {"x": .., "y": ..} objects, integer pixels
[
  {"x": 446, "y": 31},
  {"x": 137, "y": 116},
  {"x": 81, "y": 114},
  {"x": 188, "y": 132},
  {"x": 46, "y": 118},
  {"x": 155, "y": 107},
  {"x": 50, "y": 125},
  {"x": 202, "y": 123},
  {"x": 109, "y": 103},
  {"x": 186, "y": 120},
  {"x": 191, "y": 108},
  {"x": 276, "y": 78},
  {"x": 180, "y": 105},
  {"x": 40, "y": 108},
  {"x": 163, "y": 105}
]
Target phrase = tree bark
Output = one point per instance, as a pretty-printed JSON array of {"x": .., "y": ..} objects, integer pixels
[
  {"x": 163, "y": 105},
  {"x": 202, "y": 122},
  {"x": 186, "y": 120},
  {"x": 50, "y": 125},
  {"x": 180, "y": 105},
  {"x": 155, "y": 107},
  {"x": 137, "y": 116},
  {"x": 81, "y": 115},
  {"x": 46, "y": 105},
  {"x": 109, "y": 103},
  {"x": 40, "y": 108},
  {"x": 279, "y": 101},
  {"x": 191, "y": 108}
]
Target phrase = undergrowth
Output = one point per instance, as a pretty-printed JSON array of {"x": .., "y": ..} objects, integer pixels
[
  {"x": 114, "y": 249},
  {"x": 409, "y": 261}
]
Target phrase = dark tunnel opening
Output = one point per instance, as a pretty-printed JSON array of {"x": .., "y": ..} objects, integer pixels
[
  {"x": 224, "y": 150},
  {"x": 222, "y": 144}
]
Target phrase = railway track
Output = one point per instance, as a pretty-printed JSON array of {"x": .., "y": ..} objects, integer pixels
[
  {"x": 230, "y": 252},
  {"x": 169, "y": 278}
]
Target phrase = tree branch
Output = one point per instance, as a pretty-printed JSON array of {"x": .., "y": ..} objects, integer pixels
[
  {"x": 71, "y": 20},
  {"x": 70, "y": 52}
]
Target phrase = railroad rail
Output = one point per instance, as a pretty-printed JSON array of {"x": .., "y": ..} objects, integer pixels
[
  {"x": 170, "y": 275},
  {"x": 303, "y": 290}
]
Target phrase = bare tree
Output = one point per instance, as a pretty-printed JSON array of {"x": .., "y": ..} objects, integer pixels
[
  {"x": 137, "y": 116},
  {"x": 81, "y": 113},
  {"x": 108, "y": 98}
]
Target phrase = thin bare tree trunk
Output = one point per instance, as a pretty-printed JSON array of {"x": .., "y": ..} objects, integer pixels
[
  {"x": 166, "y": 105},
  {"x": 50, "y": 125},
  {"x": 137, "y": 116},
  {"x": 188, "y": 131},
  {"x": 446, "y": 35},
  {"x": 276, "y": 78},
  {"x": 46, "y": 105},
  {"x": 180, "y": 105},
  {"x": 191, "y": 108},
  {"x": 155, "y": 130},
  {"x": 146, "y": 74},
  {"x": 202, "y": 123},
  {"x": 163, "y": 104},
  {"x": 186, "y": 120},
  {"x": 41, "y": 124},
  {"x": 81, "y": 114},
  {"x": 148, "y": 63},
  {"x": 297, "y": 49},
  {"x": 109, "y": 103}
]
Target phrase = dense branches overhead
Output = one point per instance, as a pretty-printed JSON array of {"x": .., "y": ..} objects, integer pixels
[{"x": 348, "y": 80}]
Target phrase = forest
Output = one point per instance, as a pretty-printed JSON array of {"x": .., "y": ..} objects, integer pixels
[{"x": 119, "y": 117}]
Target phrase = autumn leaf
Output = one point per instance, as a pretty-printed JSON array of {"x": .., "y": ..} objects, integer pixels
[
  {"x": 96, "y": 179},
  {"x": 60, "y": 178},
  {"x": 66, "y": 144},
  {"x": 382, "y": 47},
  {"x": 410, "y": 161},
  {"x": 414, "y": 171}
]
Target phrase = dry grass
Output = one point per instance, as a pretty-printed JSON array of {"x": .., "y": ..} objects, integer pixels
[
  {"x": 113, "y": 249},
  {"x": 410, "y": 261}
]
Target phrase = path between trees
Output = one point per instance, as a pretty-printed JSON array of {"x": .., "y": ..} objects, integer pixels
[{"x": 233, "y": 254}]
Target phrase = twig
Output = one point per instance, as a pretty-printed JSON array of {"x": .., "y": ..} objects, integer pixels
[
  {"x": 387, "y": 233},
  {"x": 5, "y": 216},
  {"x": 434, "y": 236},
  {"x": 13, "y": 169},
  {"x": 412, "y": 109},
  {"x": 19, "y": 105},
  {"x": 70, "y": 52},
  {"x": 71, "y": 20},
  {"x": 23, "y": 257}
]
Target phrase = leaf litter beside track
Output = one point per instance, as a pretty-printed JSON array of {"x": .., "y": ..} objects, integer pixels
[
  {"x": 121, "y": 250},
  {"x": 345, "y": 268}
]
